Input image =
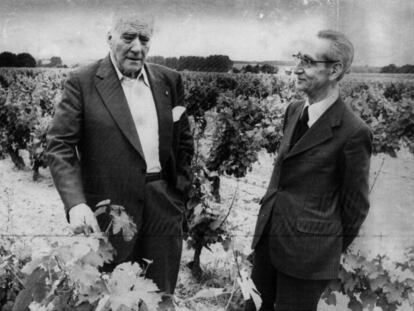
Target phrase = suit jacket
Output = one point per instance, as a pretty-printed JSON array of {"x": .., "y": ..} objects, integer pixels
[
  {"x": 94, "y": 150},
  {"x": 317, "y": 198}
]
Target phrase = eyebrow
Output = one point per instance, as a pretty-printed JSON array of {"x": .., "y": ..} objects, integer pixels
[
  {"x": 130, "y": 33},
  {"x": 308, "y": 56},
  {"x": 135, "y": 34}
]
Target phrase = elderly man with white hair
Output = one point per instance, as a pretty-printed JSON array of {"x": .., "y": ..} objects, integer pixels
[
  {"x": 121, "y": 133},
  {"x": 317, "y": 197}
]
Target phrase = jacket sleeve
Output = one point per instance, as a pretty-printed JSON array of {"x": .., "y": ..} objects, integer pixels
[
  {"x": 63, "y": 137},
  {"x": 355, "y": 183},
  {"x": 185, "y": 148}
]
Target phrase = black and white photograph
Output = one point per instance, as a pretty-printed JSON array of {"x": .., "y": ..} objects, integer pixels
[{"x": 180, "y": 155}]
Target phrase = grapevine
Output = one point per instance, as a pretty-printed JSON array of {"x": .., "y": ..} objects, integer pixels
[{"x": 233, "y": 117}]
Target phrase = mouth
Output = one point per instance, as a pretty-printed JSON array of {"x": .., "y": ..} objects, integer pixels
[{"x": 133, "y": 59}]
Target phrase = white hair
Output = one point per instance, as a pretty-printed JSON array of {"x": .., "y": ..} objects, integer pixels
[{"x": 140, "y": 20}]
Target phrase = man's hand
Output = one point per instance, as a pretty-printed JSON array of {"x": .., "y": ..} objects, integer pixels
[{"x": 83, "y": 220}]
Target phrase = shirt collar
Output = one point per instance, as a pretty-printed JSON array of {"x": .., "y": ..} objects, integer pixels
[
  {"x": 142, "y": 74},
  {"x": 318, "y": 108}
]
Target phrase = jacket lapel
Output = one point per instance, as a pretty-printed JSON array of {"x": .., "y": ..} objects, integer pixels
[
  {"x": 110, "y": 89},
  {"x": 290, "y": 128},
  {"x": 320, "y": 131},
  {"x": 162, "y": 98}
]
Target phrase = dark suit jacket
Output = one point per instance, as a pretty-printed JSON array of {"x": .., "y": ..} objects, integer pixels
[
  {"x": 317, "y": 198},
  {"x": 93, "y": 147}
]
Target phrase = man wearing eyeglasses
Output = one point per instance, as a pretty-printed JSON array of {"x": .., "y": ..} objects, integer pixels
[{"x": 317, "y": 198}]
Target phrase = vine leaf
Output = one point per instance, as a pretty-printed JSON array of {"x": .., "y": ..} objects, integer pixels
[
  {"x": 94, "y": 259},
  {"x": 104, "y": 304},
  {"x": 248, "y": 289},
  {"x": 83, "y": 246},
  {"x": 411, "y": 299},
  {"x": 106, "y": 250},
  {"x": 122, "y": 222},
  {"x": 368, "y": 299},
  {"x": 35, "y": 289},
  {"x": 350, "y": 284},
  {"x": 355, "y": 305},
  {"x": 103, "y": 203},
  {"x": 125, "y": 286},
  {"x": 394, "y": 292},
  {"x": 102, "y": 207},
  {"x": 31, "y": 266},
  {"x": 91, "y": 294},
  {"x": 85, "y": 274},
  {"x": 330, "y": 299},
  {"x": 379, "y": 282}
]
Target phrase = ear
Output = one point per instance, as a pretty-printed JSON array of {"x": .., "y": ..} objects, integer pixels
[
  {"x": 109, "y": 38},
  {"x": 336, "y": 71}
]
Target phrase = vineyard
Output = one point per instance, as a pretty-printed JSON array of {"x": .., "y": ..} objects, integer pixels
[{"x": 236, "y": 120}]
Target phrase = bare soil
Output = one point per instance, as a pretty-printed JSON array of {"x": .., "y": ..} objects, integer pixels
[{"x": 33, "y": 211}]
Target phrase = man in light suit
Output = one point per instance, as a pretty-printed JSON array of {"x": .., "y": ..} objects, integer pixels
[
  {"x": 120, "y": 133},
  {"x": 317, "y": 198}
]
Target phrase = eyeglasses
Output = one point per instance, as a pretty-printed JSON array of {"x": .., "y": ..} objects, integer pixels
[{"x": 306, "y": 61}]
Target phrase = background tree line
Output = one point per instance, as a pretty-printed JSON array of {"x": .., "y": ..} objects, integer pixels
[
  {"x": 212, "y": 63},
  {"x": 265, "y": 68},
  {"x": 9, "y": 59},
  {"x": 394, "y": 69}
]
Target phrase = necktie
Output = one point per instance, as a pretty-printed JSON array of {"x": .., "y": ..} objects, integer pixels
[{"x": 301, "y": 127}]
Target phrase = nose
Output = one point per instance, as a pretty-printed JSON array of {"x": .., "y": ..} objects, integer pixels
[
  {"x": 136, "y": 45},
  {"x": 298, "y": 69}
]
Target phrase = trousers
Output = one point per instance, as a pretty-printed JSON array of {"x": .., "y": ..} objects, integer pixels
[
  {"x": 279, "y": 291},
  {"x": 160, "y": 236}
]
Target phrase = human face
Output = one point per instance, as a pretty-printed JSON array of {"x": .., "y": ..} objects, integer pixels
[
  {"x": 129, "y": 42},
  {"x": 315, "y": 73}
]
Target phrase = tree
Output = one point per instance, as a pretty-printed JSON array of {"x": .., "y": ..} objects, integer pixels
[
  {"x": 389, "y": 69},
  {"x": 193, "y": 63},
  {"x": 394, "y": 69},
  {"x": 160, "y": 60},
  {"x": 266, "y": 68},
  {"x": 217, "y": 63},
  {"x": 250, "y": 68},
  {"x": 8, "y": 59},
  {"x": 406, "y": 69},
  {"x": 171, "y": 62},
  {"x": 213, "y": 63},
  {"x": 55, "y": 61},
  {"x": 25, "y": 60}
]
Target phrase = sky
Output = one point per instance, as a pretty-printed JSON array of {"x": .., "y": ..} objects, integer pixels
[{"x": 382, "y": 31}]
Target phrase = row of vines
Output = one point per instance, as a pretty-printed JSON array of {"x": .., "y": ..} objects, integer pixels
[{"x": 233, "y": 117}]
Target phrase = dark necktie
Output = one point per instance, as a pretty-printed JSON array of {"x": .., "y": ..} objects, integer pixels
[{"x": 301, "y": 127}]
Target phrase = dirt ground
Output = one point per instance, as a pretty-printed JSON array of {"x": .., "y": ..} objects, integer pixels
[{"x": 33, "y": 210}]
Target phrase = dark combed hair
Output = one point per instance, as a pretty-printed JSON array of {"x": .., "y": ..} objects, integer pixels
[{"x": 341, "y": 48}]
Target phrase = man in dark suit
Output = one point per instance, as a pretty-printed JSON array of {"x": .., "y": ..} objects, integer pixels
[
  {"x": 317, "y": 198},
  {"x": 121, "y": 133}
]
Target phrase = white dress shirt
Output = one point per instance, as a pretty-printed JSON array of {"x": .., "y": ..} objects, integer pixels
[
  {"x": 318, "y": 108},
  {"x": 144, "y": 113}
]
